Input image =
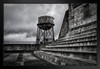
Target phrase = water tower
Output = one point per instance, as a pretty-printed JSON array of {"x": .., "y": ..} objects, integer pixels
[{"x": 45, "y": 30}]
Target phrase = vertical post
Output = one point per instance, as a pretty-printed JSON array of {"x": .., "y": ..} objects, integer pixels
[
  {"x": 44, "y": 36},
  {"x": 37, "y": 36},
  {"x": 53, "y": 32}
]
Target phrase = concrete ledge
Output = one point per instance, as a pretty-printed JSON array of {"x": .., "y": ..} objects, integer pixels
[{"x": 57, "y": 60}]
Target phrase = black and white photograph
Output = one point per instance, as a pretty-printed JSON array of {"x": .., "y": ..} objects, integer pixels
[{"x": 50, "y": 34}]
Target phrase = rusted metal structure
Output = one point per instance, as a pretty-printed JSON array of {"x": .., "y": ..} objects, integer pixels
[{"x": 45, "y": 30}]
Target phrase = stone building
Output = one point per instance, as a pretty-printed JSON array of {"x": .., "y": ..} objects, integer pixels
[
  {"x": 79, "y": 45},
  {"x": 65, "y": 26}
]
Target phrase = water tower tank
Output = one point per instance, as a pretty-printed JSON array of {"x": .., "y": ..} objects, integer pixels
[
  {"x": 45, "y": 31},
  {"x": 45, "y": 22}
]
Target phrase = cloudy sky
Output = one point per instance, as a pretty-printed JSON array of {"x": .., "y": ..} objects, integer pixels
[{"x": 20, "y": 20}]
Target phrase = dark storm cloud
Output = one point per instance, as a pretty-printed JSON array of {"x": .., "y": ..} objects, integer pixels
[
  {"x": 20, "y": 31},
  {"x": 20, "y": 20}
]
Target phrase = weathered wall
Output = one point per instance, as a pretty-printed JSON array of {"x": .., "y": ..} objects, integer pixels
[{"x": 65, "y": 26}]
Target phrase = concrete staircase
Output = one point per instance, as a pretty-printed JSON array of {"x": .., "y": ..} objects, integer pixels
[{"x": 76, "y": 49}]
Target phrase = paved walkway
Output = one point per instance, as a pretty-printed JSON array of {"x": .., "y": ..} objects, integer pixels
[
  {"x": 29, "y": 57},
  {"x": 11, "y": 57},
  {"x": 30, "y": 60}
]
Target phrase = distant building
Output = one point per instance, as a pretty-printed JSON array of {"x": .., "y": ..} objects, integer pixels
[{"x": 19, "y": 42}]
